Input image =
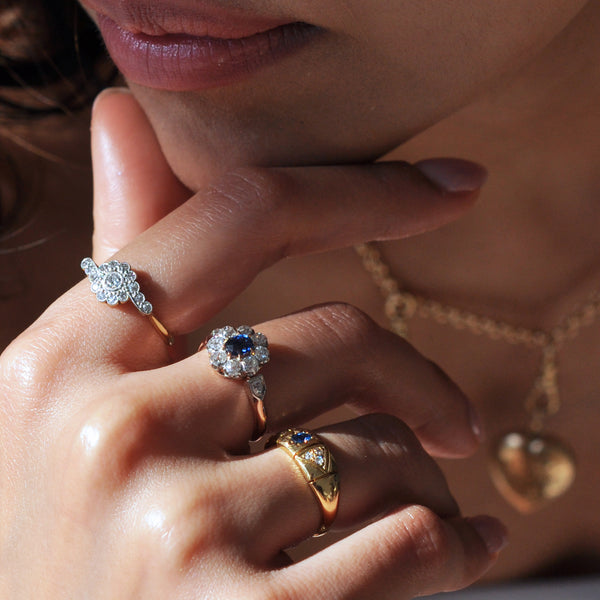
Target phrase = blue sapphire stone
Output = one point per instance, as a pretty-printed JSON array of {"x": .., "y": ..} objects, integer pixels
[
  {"x": 301, "y": 437},
  {"x": 239, "y": 346}
]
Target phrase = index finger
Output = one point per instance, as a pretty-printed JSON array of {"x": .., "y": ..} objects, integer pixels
[
  {"x": 204, "y": 253},
  {"x": 225, "y": 235}
]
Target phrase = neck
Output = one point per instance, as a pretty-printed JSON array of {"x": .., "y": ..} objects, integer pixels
[{"x": 533, "y": 239}]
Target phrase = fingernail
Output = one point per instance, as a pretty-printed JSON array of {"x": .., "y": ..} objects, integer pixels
[
  {"x": 476, "y": 423},
  {"x": 453, "y": 175},
  {"x": 491, "y": 531}
]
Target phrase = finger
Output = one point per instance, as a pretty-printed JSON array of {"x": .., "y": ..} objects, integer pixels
[
  {"x": 321, "y": 358},
  {"x": 206, "y": 251},
  {"x": 227, "y": 234},
  {"x": 411, "y": 552},
  {"x": 133, "y": 185},
  {"x": 380, "y": 464}
]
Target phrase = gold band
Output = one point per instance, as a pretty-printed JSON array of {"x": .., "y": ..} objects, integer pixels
[
  {"x": 257, "y": 389},
  {"x": 167, "y": 337},
  {"x": 317, "y": 465}
]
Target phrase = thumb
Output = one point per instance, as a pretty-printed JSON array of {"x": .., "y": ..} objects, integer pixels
[{"x": 134, "y": 186}]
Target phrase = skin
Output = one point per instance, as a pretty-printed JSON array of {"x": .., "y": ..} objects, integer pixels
[
  {"x": 403, "y": 79},
  {"x": 119, "y": 474},
  {"x": 129, "y": 393}
]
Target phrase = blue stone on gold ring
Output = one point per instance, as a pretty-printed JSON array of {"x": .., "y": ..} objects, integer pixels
[{"x": 301, "y": 437}]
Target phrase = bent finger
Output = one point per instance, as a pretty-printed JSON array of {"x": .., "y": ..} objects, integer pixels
[
  {"x": 321, "y": 358},
  {"x": 201, "y": 255},
  {"x": 411, "y": 552},
  {"x": 224, "y": 236},
  {"x": 380, "y": 465}
]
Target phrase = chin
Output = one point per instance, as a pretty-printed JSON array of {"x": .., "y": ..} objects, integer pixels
[{"x": 203, "y": 137}]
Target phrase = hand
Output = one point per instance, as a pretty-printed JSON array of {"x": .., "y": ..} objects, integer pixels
[{"x": 125, "y": 475}]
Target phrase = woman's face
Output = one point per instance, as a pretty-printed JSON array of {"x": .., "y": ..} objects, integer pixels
[{"x": 369, "y": 75}]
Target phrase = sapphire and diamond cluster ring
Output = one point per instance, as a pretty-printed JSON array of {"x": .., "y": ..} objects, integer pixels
[{"x": 240, "y": 353}]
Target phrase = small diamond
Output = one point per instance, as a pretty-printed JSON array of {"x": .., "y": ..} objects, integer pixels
[
  {"x": 123, "y": 296},
  {"x": 260, "y": 339},
  {"x": 250, "y": 365},
  {"x": 113, "y": 265},
  {"x": 301, "y": 437},
  {"x": 134, "y": 288},
  {"x": 112, "y": 299},
  {"x": 245, "y": 330},
  {"x": 316, "y": 455},
  {"x": 101, "y": 295},
  {"x": 224, "y": 331},
  {"x": 146, "y": 308},
  {"x": 262, "y": 355},
  {"x": 218, "y": 359},
  {"x": 232, "y": 369},
  {"x": 113, "y": 281},
  {"x": 257, "y": 387},
  {"x": 215, "y": 343},
  {"x": 88, "y": 266}
]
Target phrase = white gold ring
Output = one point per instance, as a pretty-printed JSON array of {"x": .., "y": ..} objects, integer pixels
[{"x": 115, "y": 283}]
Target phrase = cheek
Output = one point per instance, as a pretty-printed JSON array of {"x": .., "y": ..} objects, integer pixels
[{"x": 439, "y": 54}]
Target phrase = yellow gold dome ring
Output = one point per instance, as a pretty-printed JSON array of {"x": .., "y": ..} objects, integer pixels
[{"x": 317, "y": 464}]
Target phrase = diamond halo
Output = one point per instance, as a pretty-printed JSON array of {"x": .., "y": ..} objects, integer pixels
[
  {"x": 115, "y": 283},
  {"x": 237, "y": 353}
]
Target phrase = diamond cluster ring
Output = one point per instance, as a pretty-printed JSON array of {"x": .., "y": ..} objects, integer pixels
[
  {"x": 115, "y": 283},
  {"x": 311, "y": 455},
  {"x": 239, "y": 354}
]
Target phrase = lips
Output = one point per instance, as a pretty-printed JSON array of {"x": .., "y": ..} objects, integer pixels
[{"x": 182, "y": 48}]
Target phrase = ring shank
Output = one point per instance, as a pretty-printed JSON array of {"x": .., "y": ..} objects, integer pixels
[{"x": 162, "y": 330}]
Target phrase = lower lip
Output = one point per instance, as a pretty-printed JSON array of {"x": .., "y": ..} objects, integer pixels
[{"x": 181, "y": 62}]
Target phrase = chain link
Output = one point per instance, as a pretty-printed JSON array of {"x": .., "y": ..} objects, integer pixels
[{"x": 400, "y": 306}]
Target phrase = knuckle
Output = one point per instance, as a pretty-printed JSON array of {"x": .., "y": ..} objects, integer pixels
[
  {"x": 26, "y": 366},
  {"x": 244, "y": 203},
  {"x": 344, "y": 323},
  {"x": 453, "y": 407},
  {"x": 392, "y": 437},
  {"x": 249, "y": 194},
  {"x": 342, "y": 327},
  {"x": 108, "y": 445},
  {"x": 429, "y": 538},
  {"x": 180, "y": 527}
]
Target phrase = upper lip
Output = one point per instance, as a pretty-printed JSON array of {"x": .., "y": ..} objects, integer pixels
[{"x": 190, "y": 17}]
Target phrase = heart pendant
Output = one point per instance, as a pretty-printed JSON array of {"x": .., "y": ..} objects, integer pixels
[{"x": 529, "y": 469}]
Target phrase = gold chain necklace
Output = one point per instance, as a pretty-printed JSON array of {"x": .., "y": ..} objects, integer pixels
[{"x": 528, "y": 467}]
